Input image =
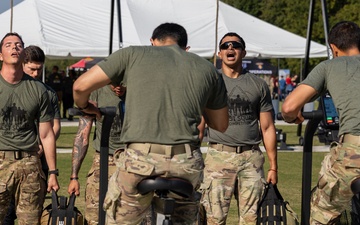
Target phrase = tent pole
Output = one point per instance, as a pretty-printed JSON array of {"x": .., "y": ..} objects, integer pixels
[
  {"x": 306, "y": 180},
  {"x": 278, "y": 67},
  {"x": 111, "y": 26},
  {"x": 308, "y": 37},
  {"x": 11, "y": 14},
  {"x": 326, "y": 26},
  {"x": 301, "y": 69},
  {"x": 216, "y": 29},
  {"x": 119, "y": 24}
]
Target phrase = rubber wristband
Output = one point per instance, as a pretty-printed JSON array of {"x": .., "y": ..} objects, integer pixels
[
  {"x": 56, "y": 172},
  {"x": 292, "y": 121},
  {"x": 87, "y": 106},
  {"x": 272, "y": 170},
  {"x": 74, "y": 178}
]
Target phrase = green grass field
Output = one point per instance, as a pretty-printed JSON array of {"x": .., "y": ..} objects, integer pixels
[{"x": 290, "y": 170}]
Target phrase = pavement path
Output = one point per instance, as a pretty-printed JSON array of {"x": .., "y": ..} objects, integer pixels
[{"x": 323, "y": 148}]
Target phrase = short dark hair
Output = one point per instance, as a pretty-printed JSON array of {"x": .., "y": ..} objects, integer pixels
[
  {"x": 34, "y": 54},
  {"x": 345, "y": 35},
  {"x": 171, "y": 30},
  {"x": 233, "y": 34},
  {"x": 11, "y": 34}
]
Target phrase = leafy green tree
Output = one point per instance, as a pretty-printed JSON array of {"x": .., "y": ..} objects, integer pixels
[
  {"x": 250, "y": 7},
  {"x": 347, "y": 11}
]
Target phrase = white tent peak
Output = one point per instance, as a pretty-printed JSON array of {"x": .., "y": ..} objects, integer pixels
[{"x": 81, "y": 28}]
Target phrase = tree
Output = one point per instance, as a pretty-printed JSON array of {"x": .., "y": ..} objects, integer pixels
[{"x": 250, "y": 7}]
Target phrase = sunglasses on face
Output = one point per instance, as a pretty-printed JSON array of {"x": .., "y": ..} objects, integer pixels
[{"x": 234, "y": 44}]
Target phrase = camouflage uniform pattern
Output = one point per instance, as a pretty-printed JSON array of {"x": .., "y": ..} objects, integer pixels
[
  {"x": 25, "y": 180},
  {"x": 123, "y": 203},
  {"x": 93, "y": 187},
  {"x": 245, "y": 170},
  {"x": 333, "y": 193}
]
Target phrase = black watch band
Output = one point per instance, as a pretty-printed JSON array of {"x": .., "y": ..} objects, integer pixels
[
  {"x": 87, "y": 106},
  {"x": 56, "y": 172}
]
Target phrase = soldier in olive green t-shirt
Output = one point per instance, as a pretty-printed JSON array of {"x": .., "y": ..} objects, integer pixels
[
  {"x": 340, "y": 77},
  {"x": 234, "y": 163},
  {"x": 33, "y": 66},
  {"x": 168, "y": 90},
  {"x": 24, "y": 100}
]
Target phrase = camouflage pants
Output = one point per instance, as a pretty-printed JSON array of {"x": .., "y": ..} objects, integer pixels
[
  {"x": 226, "y": 174},
  {"x": 339, "y": 168},
  {"x": 92, "y": 189},
  {"x": 124, "y": 204},
  {"x": 24, "y": 181}
]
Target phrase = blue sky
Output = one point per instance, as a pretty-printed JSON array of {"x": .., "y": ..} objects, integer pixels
[{"x": 5, "y": 4}]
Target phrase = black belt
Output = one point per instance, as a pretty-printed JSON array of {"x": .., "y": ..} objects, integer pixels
[
  {"x": 17, "y": 155},
  {"x": 237, "y": 149}
]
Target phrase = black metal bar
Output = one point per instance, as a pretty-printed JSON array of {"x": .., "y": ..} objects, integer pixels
[
  {"x": 310, "y": 130},
  {"x": 111, "y": 25},
  {"x": 307, "y": 49},
  {"x": 109, "y": 114},
  {"x": 119, "y": 23},
  {"x": 305, "y": 200},
  {"x": 299, "y": 129}
]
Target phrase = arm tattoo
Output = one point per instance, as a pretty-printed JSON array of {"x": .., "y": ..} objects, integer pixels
[{"x": 81, "y": 144}]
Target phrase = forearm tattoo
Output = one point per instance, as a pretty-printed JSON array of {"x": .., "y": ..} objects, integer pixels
[{"x": 81, "y": 143}]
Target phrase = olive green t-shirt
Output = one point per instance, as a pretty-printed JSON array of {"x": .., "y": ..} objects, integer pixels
[
  {"x": 248, "y": 95},
  {"x": 106, "y": 97},
  {"x": 341, "y": 77},
  {"x": 167, "y": 91},
  {"x": 21, "y": 105}
]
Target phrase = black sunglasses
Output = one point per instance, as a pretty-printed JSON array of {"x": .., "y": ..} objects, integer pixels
[{"x": 234, "y": 44}]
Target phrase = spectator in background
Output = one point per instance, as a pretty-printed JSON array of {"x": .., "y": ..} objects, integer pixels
[
  {"x": 271, "y": 84},
  {"x": 68, "y": 100},
  {"x": 294, "y": 81},
  {"x": 55, "y": 81},
  {"x": 276, "y": 88},
  {"x": 282, "y": 86},
  {"x": 289, "y": 86}
]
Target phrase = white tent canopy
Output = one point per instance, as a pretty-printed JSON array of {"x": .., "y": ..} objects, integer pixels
[{"x": 81, "y": 28}]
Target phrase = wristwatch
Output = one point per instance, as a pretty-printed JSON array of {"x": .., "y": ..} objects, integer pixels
[
  {"x": 56, "y": 172},
  {"x": 85, "y": 107}
]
